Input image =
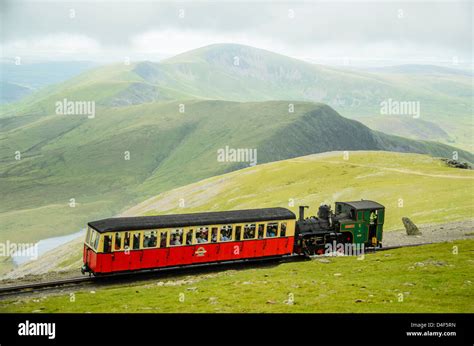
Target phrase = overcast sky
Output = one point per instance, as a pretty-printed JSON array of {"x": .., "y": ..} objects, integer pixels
[{"x": 331, "y": 32}]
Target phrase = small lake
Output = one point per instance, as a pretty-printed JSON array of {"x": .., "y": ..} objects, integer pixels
[{"x": 47, "y": 244}]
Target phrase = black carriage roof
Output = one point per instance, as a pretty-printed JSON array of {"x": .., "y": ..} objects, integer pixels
[
  {"x": 364, "y": 204},
  {"x": 194, "y": 219}
]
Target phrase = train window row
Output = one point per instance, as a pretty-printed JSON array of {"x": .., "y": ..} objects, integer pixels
[{"x": 185, "y": 236}]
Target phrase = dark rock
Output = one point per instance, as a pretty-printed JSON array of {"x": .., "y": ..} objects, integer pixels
[
  {"x": 410, "y": 227},
  {"x": 457, "y": 164}
]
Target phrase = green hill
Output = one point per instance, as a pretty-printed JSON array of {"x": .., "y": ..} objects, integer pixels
[
  {"x": 401, "y": 182},
  {"x": 65, "y": 157},
  {"x": 310, "y": 180},
  {"x": 241, "y": 73}
]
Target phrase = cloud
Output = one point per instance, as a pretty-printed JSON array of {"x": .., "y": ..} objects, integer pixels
[
  {"x": 53, "y": 47},
  {"x": 150, "y": 29},
  {"x": 170, "y": 42}
]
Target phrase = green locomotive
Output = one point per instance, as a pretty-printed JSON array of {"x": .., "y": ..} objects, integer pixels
[{"x": 357, "y": 222}]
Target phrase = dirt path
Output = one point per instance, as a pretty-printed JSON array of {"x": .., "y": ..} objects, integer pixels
[
  {"x": 403, "y": 171},
  {"x": 432, "y": 233}
]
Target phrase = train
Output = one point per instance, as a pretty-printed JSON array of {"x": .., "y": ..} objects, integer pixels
[{"x": 126, "y": 244}]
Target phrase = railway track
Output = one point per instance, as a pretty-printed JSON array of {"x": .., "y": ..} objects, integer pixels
[{"x": 35, "y": 287}]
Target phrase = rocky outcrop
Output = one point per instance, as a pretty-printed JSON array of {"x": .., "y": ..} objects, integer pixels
[{"x": 410, "y": 227}]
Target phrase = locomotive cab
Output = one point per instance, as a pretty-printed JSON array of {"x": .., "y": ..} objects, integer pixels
[{"x": 361, "y": 221}]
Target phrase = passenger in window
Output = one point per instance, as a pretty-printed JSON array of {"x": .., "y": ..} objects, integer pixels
[
  {"x": 136, "y": 241},
  {"x": 189, "y": 237},
  {"x": 260, "y": 231},
  {"x": 199, "y": 237},
  {"x": 226, "y": 234},
  {"x": 107, "y": 243},
  {"x": 175, "y": 241},
  {"x": 163, "y": 239},
  {"x": 126, "y": 241},
  {"x": 272, "y": 230},
  {"x": 146, "y": 241},
  {"x": 118, "y": 241},
  {"x": 238, "y": 230},
  {"x": 283, "y": 229},
  {"x": 214, "y": 235},
  {"x": 249, "y": 232},
  {"x": 152, "y": 240}
]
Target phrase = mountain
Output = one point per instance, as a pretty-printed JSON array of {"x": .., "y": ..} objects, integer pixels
[
  {"x": 10, "y": 92},
  {"x": 421, "y": 69},
  {"x": 242, "y": 73}
]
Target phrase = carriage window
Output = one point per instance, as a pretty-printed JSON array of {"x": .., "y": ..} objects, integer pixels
[
  {"x": 176, "y": 237},
  {"x": 126, "y": 241},
  {"x": 261, "y": 228},
  {"x": 283, "y": 229},
  {"x": 163, "y": 238},
  {"x": 149, "y": 239},
  {"x": 226, "y": 233},
  {"x": 136, "y": 241},
  {"x": 249, "y": 231},
  {"x": 92, "y": 241},
  {"x": 118, "y": 241},
  {"x": 107, "y": 243},
  {"x": 214, "y": 234},
  {"x": 88, "y": 235},
  {"x": 238, "y": 231},
  {"x": 202, "y": 235},
  {"x": 96, "y": 242},
  {"x": 189, "y": 237},
  {"x": 272, "y": 229}
]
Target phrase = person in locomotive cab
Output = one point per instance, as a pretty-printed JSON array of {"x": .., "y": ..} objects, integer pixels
[{"x": 372, "y": 218}]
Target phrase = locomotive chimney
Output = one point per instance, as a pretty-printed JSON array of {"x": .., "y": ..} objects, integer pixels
[{"x": 302, "y": 207}]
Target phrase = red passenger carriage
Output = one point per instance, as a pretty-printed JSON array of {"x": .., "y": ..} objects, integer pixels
[{"x": 150, "y": 242}]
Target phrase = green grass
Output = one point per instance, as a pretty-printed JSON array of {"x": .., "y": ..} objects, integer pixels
[
  {"x": 66, "y": 157},
  {"x": 424, "y": 279},
  {"x": 381, "y": 176}
]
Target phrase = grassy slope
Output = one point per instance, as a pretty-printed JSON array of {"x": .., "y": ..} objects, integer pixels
[
  {"x": 430, "y": 278},
  {"x": 381, "y": 176},
  {"x": 75, "y": 157}
]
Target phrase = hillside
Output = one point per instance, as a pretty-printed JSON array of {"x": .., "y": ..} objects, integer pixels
[
  {"x": 64, "y": 157},
  {"x": 310, "y": 180},
  {"x": 241, "y": 73},
  {"x": 397, "y": 281}
]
